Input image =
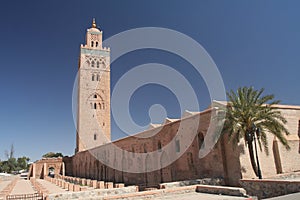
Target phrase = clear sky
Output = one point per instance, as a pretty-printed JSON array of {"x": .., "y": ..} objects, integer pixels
[{"x": 252, "y": 42}]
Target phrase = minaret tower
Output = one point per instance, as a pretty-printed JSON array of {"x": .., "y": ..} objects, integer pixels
[{"x": 93, "y": 115}]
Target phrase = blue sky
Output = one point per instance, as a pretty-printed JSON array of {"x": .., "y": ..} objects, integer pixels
[{"x": 252, "y": 42}]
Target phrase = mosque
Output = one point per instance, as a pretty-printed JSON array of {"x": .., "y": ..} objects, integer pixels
[{"x": 178, "y": 149}]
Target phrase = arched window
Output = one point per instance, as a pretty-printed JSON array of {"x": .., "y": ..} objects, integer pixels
[
  {"x": 95, "y": 96},
  {"x": 100, "y": 107},
  {"x": 95, "y": 106},
  {"x": 88, "y": 63},
  {"x": 92, "y": 43},
  {"x": 51, "y": 172},
  {"x": 132, "y": 150},
  {"x": 190, "y": 158},
  {"x": 95, "y": 136},
  {"x": 98, "y": 64},
  {"x": 93, "y": 77},
  {"x": 159, "y": 146},
  {"x": 177, "y": 146},
  {"x": 299, "y": 128},
  {"x": 93, "y": 63},
  {"x": 200, "y": 140},
  {"x": 98, "y": 77},
  {"x": 299, "y": 135},
  {"x": 96, "y": 44}
]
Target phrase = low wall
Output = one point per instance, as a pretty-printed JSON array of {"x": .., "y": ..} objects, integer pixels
[
  {"x": 231, "y": 191},
  {"x": 132, "y": 194},
  {"x": 76, "y": 184},
  {"x": 205, "y": 181},
  {"x": 92, "y": 194},
  {"x": 269, "y": 188}
]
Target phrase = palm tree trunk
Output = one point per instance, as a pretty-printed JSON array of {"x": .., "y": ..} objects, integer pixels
[{"x": 252, "y": 159}]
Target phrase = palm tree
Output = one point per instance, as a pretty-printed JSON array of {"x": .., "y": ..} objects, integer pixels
[{"x": 247, "y": 108}]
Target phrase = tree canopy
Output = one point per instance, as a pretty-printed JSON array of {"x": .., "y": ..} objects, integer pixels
[
  {"x": 13, "y": 164},
  {"x": 52, "y": 155},
  {"x": 249, "y": 112}
]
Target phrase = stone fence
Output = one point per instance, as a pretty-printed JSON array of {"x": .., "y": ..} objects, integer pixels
[
  {"x": 81, "y": 184},
  {"x": 269, "y": 188},
  {"x": 38, "y": 187}
]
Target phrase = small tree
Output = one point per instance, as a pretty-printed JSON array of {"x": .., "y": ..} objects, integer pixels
[
  {"x": 52, "y": 155},
  {"x": 10, "y": 154},
  {"x": 13, "y": 164},
  {"x": 247, "y": 109},
  {"x": 5, "y": 167},
  {"x": 22, "y": 163},
  {"x": 1, "y": 166}
]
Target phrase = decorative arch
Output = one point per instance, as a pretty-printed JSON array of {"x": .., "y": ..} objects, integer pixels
[
  {"x": 88, "y": 63},
  {"x": 97, "y": 170},
  {"x": 95, "y": 101},
  {"x": 124, "y": 166},
  {"x": 165, "y": 172},
  {"x": 102, "y": 64},
  {"x": 92, "y": 96}
]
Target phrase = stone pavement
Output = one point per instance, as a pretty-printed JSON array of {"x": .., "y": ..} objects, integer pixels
[
  {"x": 292, "y": 176},
  {"x": 295, "y": 196},
  {"x": 23, "y": 187},
  {"x": 52, "y": 188},
  {"x": 196, "y": 195}
]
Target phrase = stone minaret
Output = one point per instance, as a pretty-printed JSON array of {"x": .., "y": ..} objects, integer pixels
[{"x": 93, "y": 115}]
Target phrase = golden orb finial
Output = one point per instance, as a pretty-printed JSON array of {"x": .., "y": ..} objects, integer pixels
[{"x": 94, "y": 25}]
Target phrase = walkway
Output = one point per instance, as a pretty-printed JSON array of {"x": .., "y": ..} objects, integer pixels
[
  {"x": 295, "y": 196},
  {"x": 52, "y": 188},
  {"x": 196, "y": 195},
  {"x": 3, "y": 184},
  {"x": 23, "y": 187}
]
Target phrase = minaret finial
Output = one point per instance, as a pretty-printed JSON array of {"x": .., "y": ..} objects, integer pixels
[{"x": 94, "y": 25}]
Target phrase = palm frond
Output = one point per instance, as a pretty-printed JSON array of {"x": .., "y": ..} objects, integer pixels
[{"x": 249, "y": 107}]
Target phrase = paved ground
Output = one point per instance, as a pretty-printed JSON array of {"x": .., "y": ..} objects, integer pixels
[
  {"x": 196, "y": 195},
  {"x": 295, "y": 196},
  {"x": 23, "y": 187},
  {"x": 293, "y": 176},
  {"x": 52, "y": 188},
  {"x": 3, "y": 184}
]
